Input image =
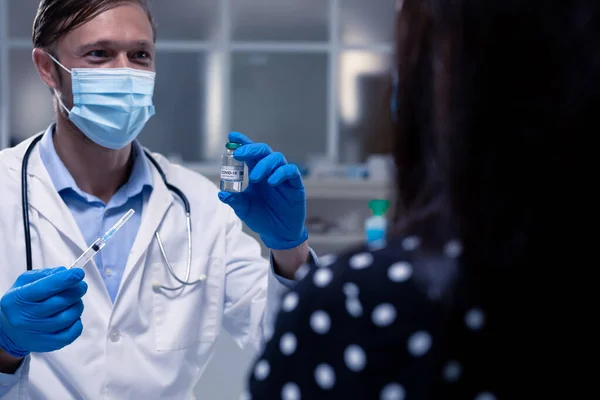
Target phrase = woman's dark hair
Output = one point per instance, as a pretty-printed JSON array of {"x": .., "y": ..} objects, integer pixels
[
  {"x": 498, "y": 109},
  {"x": 56, "y": 18},
  {"x": 497, "y": 103}
]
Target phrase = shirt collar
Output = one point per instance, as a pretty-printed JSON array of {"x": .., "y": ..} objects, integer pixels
[{"x": 141, "y": 174}]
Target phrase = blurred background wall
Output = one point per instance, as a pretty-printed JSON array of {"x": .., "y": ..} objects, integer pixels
[{"x": 309, "y": 77}]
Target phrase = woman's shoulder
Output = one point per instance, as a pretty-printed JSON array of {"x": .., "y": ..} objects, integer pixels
[
  {"x": 406, "y": 266},
  {"x": 356, "y": 321}
]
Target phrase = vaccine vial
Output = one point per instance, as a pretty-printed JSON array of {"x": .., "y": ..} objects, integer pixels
[{"x": 232, "y": 170}]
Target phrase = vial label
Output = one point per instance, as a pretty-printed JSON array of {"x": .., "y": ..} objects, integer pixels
[
  {"x": 233, "y": 174},
  {"x": 374, "y": 235}
]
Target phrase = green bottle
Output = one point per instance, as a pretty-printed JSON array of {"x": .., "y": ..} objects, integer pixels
[{"x": 376, "y": 224}]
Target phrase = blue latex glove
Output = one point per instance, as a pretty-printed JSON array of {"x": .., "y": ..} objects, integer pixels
[
  {"x": 274, "y": 203},
  {"x": 42, "y": 310}
]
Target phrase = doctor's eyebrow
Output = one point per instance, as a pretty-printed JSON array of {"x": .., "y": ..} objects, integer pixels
[{"x": 102, "y": 44}]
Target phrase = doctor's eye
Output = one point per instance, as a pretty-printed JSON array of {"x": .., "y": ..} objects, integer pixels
[
  {"x": 98, "y": 53},
  {"x": 142, "y": 55}
]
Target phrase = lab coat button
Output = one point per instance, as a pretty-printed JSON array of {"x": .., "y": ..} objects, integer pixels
[{"x": 115, "y": 336}]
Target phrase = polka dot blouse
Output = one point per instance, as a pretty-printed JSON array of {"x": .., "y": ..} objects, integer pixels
[{"x": 375, "y": 325}]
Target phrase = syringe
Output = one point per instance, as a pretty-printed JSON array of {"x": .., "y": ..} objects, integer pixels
[{"x": 100, "y": 242}]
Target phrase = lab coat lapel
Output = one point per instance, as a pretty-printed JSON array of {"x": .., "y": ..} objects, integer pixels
[
  {"x": 153, "y": 214},
  {"x": 44, "y": 198}
]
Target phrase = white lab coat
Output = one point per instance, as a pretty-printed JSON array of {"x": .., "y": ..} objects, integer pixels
[{"x": 150, "y": 344}]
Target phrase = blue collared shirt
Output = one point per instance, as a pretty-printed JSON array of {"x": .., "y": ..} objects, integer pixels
[{"x": 94, "y": 217}]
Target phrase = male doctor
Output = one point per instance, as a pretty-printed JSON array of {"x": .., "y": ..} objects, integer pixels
[{"x": 135, "y": 339}]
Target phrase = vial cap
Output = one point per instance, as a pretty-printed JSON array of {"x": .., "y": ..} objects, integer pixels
[
  {"x": 233, "y": 145},
  {"x": 379, "y": 206}
]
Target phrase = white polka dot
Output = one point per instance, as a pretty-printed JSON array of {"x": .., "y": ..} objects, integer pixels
[
  {"x": 354, "y": 307},
  {"x": 384, "y": 315},
  {"x": 453, "y": 249},
  {"x": 400, "y": 272},
  {"x": 351, "y": 289},
  {"x": 325, "y": 376},
  {"x": 287, "y": 344},
  {"x": 327, "y": 260},
  {"x": 485, "y": 396},
  {"x": 392, "y": 391},
  {"x": 290, "y": 301},
  {"x": 475, "y": 319},
  {"x": 320, "y": 322},
  {"x": 262, "y": 370},
  {"x": 290, "y": 391},
  {"x": 355, "y": 358},
  {"x": 361, "y": 261},
  {"x": 452, "y": 371},
  {"x": 302, "y": 272},
  {"x": 411, "y": 243},
  {"x": 322, "y": 277},
  {"x": 419, "y": 343}
]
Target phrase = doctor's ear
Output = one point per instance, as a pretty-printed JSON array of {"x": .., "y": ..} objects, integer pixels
[{"x": 46, "y": 67}]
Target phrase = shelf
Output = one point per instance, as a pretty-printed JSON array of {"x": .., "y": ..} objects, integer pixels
[
  {"x": 335, "y": 239},
  {"x": 349, "y": 189},
  {"x": 346, "y": 189}
]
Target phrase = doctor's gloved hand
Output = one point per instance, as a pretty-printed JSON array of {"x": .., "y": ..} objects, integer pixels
[
  {"x": 274, "y": 203},
  {"x": 42, "y": 310}
]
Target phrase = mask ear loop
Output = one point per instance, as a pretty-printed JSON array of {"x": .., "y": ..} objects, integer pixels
[
  {"x": 55, "y": 92},
  {"x": 58, "y": 62}
]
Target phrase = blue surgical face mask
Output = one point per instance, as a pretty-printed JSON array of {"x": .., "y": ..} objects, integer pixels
[{"x": 110, "y": 105}]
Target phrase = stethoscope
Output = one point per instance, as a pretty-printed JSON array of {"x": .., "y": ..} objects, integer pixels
[{"x": 179, "y": 193}]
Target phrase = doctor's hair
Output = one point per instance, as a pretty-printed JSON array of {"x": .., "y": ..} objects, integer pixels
[
  {"x": 56, "y": 18},
  {"x": 497, "y": 107}
]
